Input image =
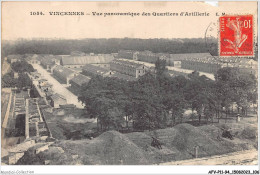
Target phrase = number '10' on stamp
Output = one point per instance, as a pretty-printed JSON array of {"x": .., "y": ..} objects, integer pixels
[{"x": 236, "y": 35}]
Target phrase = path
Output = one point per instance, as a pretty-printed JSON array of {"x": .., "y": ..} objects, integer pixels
[
  {"x": 57, "y": 87},
  {"x": 248, "y": 157},
  {"x": 6, "y": 104},
  {"x": 5, "y": 67}
]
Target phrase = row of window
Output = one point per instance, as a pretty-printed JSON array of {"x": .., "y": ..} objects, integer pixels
[{"x": 74, "y": 66}]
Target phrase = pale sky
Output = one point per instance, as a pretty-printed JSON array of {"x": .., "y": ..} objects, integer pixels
[{"x": 18, "y": 23}]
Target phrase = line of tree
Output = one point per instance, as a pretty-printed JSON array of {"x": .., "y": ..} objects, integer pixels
[
  {"x": 112, "y": 45},
  {"x": 157, "y": 100}
]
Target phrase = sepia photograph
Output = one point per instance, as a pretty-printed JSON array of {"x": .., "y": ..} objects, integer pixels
[{"x": 129, "y": 83}]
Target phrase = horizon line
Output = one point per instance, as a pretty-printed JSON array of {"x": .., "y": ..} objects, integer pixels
[{"x": 40, "y": 38}]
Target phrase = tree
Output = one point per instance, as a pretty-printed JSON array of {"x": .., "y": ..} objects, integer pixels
[
  {"x": 160, "y": 67},
  {"x": 22, "y": 66},
  {"x": 174, "y": 98},
  {"x": 198, "y": 93},
  {"x": 112, "y": 45},
  {"x": 235, "y": 87},
  {"x": 103, "y": 99},
  {"x": 146, "y": 98},
  {"x": 23, "y": 81},
  {"x": 8, "y": 80}
]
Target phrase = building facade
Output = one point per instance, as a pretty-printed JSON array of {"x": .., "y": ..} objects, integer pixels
[
  {"x": 146, "y": 56},
  {"x": 56, "y": 100},
  {"x": 201, "y": 66},
  {"x": 77, "y": 81},
  {"x": 63, "y": 74},
  {"x": 244, "y": 65},
  {"x": 127, "y": 54},
  {"x": 35, "y": 59},
  {"x": 14, "y": 58},
  {"x": 47, "y": 64},
  {"x": 127, "y": 67}
]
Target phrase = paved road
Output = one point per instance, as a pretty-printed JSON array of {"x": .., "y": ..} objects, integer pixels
[
  {"x": 57, "y": 87},
  {"x": 248, "y": 157}
]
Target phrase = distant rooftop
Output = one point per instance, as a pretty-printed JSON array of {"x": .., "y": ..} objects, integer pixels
[
  {"x": 189, "y": 56},
  {"x": 95, "y": 69},
  {"x": 87, "y": 59},
  {"x": 80, "y": 79},
  {"x": 127, "y": 63},
  {"x": 63, "y": 70}
]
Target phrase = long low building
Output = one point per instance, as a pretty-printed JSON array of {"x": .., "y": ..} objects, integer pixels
[
  {"x": 209, "y": 65},
  {"x": 127, "y": 54},
  {"x": 150, "y": 57},
  {"x": 34, "y": 59},
  {"x": 77, "y": 81},
  {"x": 244, "y": 65},
  {"x": 47, "y": 64},
  {"x": 146, "y": 56},
  {"x": 212, "y": 64},
  {"x": 176, "y": 59},
  {"x": 92, "y": 70},
  {"x": 57, "y": 99},
  {"x": 63, "y": 74},
  {"x": 80, "y": 61},
  {"x": 127, "y": 67}
]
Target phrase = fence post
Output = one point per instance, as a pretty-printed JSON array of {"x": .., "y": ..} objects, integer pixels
[{"x": 196, "y": 151}]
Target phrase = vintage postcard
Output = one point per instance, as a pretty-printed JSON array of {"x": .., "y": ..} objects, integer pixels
[{"x": 130, "y": 83}]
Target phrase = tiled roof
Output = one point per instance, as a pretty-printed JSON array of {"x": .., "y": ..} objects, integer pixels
[
  {"x": 127, "y": 63},
  {"x": 245, "y": 63},
  {"x": 80, "y": 79},
  {"x": 189, "y": 56},
  {"x": 47, "y": 61},
  {"x": 88, "y": 59},
  {"x": 212, "y": 60},
  {"x": 95, "y": 69},
  {"x": 63, "y": 70}
]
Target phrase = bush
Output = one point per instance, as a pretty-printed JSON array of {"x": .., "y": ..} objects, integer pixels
[{"x": 249, "y": 133}]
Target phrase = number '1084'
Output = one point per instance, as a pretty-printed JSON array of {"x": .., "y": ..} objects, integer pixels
[{"x": 36, "y": 13}]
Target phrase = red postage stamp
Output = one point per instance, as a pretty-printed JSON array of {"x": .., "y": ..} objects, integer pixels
[{"x": 236, "y": 36}]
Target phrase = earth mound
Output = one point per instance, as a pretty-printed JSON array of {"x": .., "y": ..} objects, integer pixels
[
  {"x": 114, "y": 148},
  {"x": 110, "y": 148}
]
